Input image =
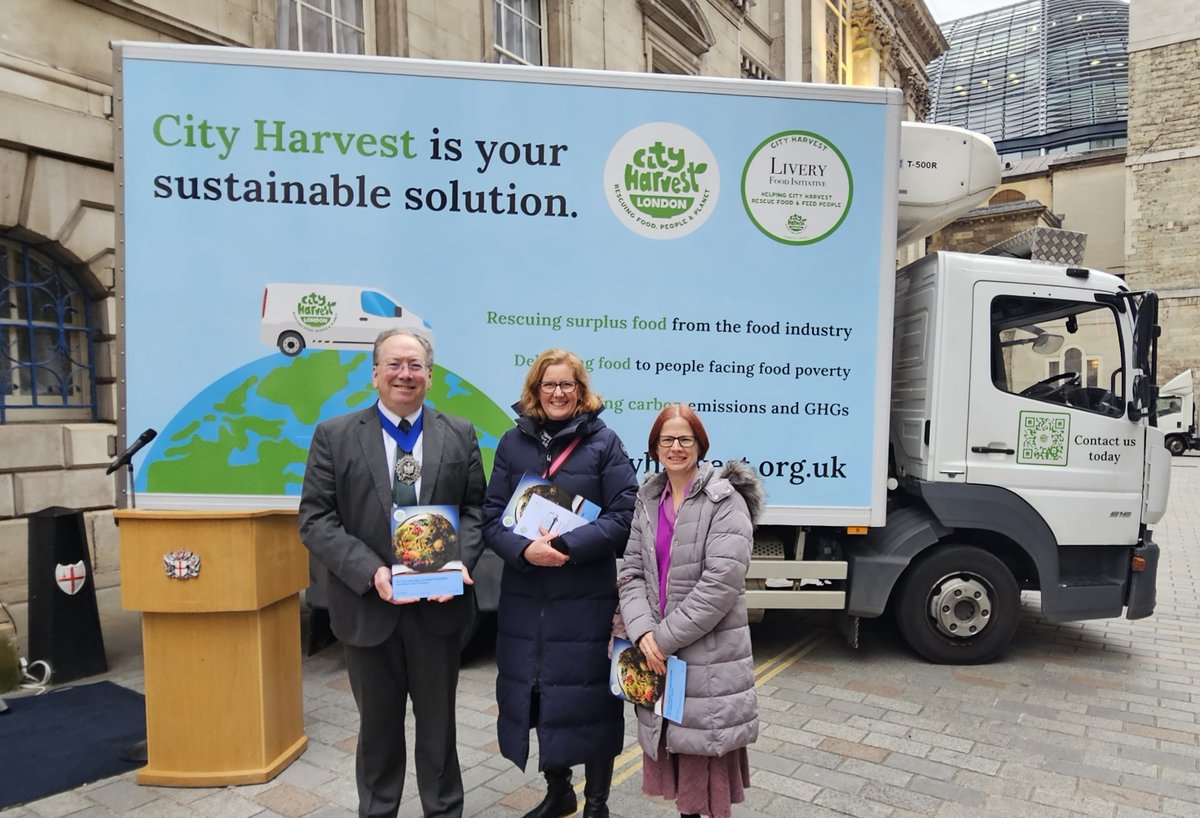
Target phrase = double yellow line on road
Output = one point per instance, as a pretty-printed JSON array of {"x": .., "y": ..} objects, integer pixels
[{"x": 630, "y": 761}]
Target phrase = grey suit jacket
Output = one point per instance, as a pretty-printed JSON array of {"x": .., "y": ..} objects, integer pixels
[{"x": 345, "y": 505}]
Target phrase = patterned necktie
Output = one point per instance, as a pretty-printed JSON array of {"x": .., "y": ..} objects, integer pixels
[{"x": 403, "y": 494}]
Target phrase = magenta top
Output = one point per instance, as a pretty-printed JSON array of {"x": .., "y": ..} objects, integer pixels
[{"x": 662, "y": 543}]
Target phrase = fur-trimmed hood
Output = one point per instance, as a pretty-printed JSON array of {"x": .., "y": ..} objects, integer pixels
[{"x": 736, "y": 475}]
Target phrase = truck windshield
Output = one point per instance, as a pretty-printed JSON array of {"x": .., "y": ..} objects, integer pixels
[
  {"x": 374, "y": 303},
  {"x": 1169, "y": 406},
  {"x": 1063, "y": 352}
]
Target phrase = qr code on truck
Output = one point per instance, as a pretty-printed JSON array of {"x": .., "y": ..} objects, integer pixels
[{"x": 1043, "y": 438}]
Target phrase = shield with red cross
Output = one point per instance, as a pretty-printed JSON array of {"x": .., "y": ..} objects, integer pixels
[{"x": 70, "y": 578}]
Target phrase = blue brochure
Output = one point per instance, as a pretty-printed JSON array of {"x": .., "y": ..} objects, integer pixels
[
  {"x": 530, "y": 489},
  {"x": 426, "y": 552},
  {"x": 411, "y": 584},
  {"x": 631, "y": 679}
]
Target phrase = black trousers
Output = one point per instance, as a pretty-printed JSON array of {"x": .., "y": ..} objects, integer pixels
[{"x": 411, "y": 663}]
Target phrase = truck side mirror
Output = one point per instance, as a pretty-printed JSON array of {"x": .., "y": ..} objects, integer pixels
[
  {"x": 1145, "y": 358},
  {"x": 1136, "y": 406}
]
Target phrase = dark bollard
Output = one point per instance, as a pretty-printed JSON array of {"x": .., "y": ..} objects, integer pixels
[
  {"x": 64, "y": 622},
  {"x": 316, "y": 597}
]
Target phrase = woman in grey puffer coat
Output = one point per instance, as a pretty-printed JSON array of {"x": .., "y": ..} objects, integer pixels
[{"x": 682, "y": 593}]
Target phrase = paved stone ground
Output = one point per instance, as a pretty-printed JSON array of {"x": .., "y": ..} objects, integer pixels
[{"x": 1090, "y": 719}]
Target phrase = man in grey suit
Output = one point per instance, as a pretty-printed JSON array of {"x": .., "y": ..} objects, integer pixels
[{"x": 398, "y": 451}]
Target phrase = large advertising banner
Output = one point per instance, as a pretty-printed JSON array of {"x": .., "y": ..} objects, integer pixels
[{"x": 719, "y": 242}]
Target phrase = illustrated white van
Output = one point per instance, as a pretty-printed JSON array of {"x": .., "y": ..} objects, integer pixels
[{"x": 331, "y": 316}]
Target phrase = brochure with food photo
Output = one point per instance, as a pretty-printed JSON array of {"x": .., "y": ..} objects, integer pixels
[
  {"x": 537, "y": 503},
  {"x": 425, "y": 547},
  {"x": 632, "y": 679}
]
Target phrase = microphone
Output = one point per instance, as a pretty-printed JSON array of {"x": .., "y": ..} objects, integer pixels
[{"x": 127, "y": 455}]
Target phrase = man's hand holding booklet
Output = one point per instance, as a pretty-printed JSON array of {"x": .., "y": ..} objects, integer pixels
[{"x": 425, "y": 545}]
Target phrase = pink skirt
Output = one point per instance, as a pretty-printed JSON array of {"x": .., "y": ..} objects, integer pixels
[{"x": 698, "y": 784}]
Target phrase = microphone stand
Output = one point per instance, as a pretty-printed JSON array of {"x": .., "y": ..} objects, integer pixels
[
  {"x": 125, "y": 458},
  {"x": 135, "y": 753},
  {"x": 132, "y": 490}
]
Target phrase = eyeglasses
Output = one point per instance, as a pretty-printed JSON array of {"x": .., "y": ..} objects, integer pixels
[
  {"x": 548, "y": 387},
  {"x": 415, "y": 367},
  {"x": 684, "y": 441}
]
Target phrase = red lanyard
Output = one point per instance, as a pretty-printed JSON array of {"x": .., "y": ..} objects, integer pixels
[{"x": 558, "y": 461}]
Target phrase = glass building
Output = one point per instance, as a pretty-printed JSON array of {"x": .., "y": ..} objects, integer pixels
[{"x": 1038, "y": 77}]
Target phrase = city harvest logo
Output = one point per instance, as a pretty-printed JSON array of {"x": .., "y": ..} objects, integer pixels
[
  {"x": 797, "y": 187},
  {"x": 315, "y": 311},
  {"x": 661, "y": 180}
]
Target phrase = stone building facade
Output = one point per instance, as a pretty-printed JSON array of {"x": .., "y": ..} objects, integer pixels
[
  {"x": 59, "y": 391},
  {"x": 1162, "y": 229},
  {"x": 986, "y": 227},
  {"x": 1080, "y": 192}
]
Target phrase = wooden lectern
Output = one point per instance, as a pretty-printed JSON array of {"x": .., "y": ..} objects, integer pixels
[{"x": 221, "y": 641}]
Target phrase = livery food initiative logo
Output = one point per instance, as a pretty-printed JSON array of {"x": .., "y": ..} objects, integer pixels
[
  {"x": 315, "y": 311},
  {"x": 797, "y": 187},
  {"x": 661, "y": 180}
]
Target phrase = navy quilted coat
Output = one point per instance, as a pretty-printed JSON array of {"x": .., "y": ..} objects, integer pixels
[{"x": 554, "y": 623}]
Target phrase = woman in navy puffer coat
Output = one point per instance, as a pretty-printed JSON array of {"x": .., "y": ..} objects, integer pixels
[{"x": 558, "y": 593}]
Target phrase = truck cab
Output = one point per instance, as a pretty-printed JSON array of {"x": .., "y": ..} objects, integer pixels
[{"x": 1024, "y": 457}]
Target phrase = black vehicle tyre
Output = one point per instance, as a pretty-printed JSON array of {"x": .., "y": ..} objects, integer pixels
[
  {"x": 290, "y": 343},
  {"x": 1176, "y": 446},
  {"x": 958, "y": 606}
]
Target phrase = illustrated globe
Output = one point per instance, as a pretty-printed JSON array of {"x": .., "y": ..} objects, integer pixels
[{"x": 248, "y": 432}]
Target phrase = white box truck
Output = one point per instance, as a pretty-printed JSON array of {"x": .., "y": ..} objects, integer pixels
[
  {"x": 933, "y": 441},
  {"x": 1177, "y": 414}
]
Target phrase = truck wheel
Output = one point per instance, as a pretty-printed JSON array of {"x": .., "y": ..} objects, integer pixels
[
  {"x": 958, "y": 606},
  {"x": 290, "y": 343},
  {"x": 1176, "y": 446}
]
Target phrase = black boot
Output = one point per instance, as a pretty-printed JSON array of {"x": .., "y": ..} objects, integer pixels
[
  {"x": 689, "y": 815},
  {"x": 595, "y": 788},
  {"x": 560, "y": 797}
]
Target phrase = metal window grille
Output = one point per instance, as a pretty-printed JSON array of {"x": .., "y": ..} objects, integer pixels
[{"x": 46, "y": 347}]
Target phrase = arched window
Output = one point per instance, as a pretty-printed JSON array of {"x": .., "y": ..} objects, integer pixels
[
  {"x": 1073, "y": 360},
  {"x": 1085, "y": 365},
  {"x": 1007, "y": 195},
  {"x": 46, "y": 357},
  {"x": 677, "y": 36}
]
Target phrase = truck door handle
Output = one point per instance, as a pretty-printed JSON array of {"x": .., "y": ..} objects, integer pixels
[{"x": 990, "y": 450}]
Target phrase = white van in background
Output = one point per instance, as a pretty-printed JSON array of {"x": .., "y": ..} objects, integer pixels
[
  {"x": 1177, "y": 414},
  {"x": 331, "y": 316}
]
